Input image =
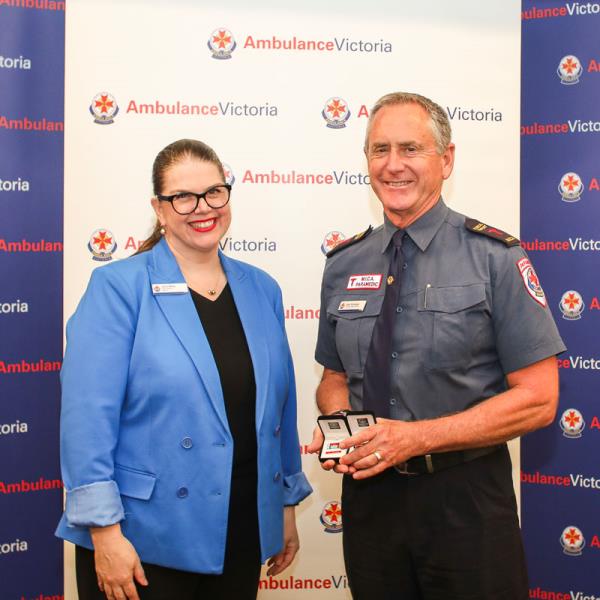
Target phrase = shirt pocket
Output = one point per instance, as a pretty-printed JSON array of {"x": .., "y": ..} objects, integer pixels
[
  {"x": 453, "y": 317},
  {"x": 354, "y": 328}
]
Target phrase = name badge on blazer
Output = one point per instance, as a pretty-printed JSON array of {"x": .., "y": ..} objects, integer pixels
[{"x": 169, "y": 288}]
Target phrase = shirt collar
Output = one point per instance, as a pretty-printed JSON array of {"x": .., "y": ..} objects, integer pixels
[{"x": 422, "y": 230}]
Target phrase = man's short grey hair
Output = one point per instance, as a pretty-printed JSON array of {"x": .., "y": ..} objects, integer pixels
[{"x": 440, "y": 124}]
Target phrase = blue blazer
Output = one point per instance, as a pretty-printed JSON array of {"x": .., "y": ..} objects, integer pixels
[{"x": 144, "y": 433}]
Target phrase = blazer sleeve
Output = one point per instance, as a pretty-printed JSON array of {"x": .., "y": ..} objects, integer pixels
[
  {"x": 295, "y": 484},
  {"x": 94, "y": 380}
]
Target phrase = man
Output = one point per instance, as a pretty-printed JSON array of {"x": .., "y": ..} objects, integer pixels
[{"x": 468, "y": 362}]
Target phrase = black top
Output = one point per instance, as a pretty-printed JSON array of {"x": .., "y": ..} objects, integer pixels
[{"x": 227, "y": 340}]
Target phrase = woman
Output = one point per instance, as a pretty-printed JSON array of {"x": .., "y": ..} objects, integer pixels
[{"x": 180, "y": 453}]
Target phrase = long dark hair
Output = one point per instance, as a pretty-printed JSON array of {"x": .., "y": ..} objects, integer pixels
[{"x": 166, "y": 158}]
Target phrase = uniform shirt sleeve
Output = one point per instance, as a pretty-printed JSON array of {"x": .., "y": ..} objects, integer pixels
[
  {"x": 525, "y": 329},
  {"x": 326, "y": 352}
]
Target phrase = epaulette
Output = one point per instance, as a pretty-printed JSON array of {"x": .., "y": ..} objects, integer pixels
[
  {"x": 350, "y": 241},
  {"x": 478, "y": 227}
]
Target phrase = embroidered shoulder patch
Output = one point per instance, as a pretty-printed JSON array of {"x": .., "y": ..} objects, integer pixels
[
  {"x": 478, "y": 227},
  {"x": 531, "y": 281},
  {"x": 350, "y": 241}
]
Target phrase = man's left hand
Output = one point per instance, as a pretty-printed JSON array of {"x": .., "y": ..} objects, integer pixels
[{"x": 381, "y": 446}]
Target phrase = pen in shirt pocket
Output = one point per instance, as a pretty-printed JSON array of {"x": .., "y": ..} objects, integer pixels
[{"x": 425, "y": 299}]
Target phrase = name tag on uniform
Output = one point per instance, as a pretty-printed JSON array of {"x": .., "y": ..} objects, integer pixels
[
  {"x": 352, "y": 305},
  {"x": 169, "y": 288},
  {"x": 364, "y": 281}
]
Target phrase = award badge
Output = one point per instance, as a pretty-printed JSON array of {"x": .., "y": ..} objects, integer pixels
[{"x": 338, "y": 427}]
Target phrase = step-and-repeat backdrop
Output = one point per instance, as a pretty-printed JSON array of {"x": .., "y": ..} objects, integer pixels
[
  {"x": 31, "y": 264},
  {"x": 283, "y": 94},
  {"x": 560, "y": 217}
]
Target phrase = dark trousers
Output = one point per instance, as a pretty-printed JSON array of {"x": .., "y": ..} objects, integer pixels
[
  {"x": 239, "y": 580},
  {"x": 452, "y": 535}
]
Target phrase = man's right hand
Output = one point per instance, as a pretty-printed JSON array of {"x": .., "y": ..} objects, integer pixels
[
  {"x": 315, "y": 447},
  {"x": 118, "y": 565}
]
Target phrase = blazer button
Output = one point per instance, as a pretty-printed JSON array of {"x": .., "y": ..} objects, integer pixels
[
  {"x": 182, "y": 492},
  {"x": 187, "y": 443},
  {"x": 277, "y": 430},
  {"x": 277, "y": 476}
]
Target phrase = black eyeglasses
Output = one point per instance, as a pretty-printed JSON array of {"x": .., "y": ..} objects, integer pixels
[{"x": 185, "y": 203}]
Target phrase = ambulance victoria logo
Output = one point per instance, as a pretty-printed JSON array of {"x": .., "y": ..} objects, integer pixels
[
  {"x": 570, "y": 187},
  {"x": 572, "y": 541},
  {"x": 569, "y": 70},
  {"x": 331, "y": 517},
  {"x": 336, "y": 112},
  {"x": 229, "y": 176},
  {"x": 572, "y": 423},
  {"x": 221, "y": 43},
  {"x": 331, "y": 240},
  {"x": 102, "y": 244},
  {"x": 104, "y": 108},
  {"x": 571, "y": 305}
]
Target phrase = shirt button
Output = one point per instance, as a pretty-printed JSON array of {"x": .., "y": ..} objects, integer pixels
[
  {"x": 394, "y": 355},
  {"x": 404, "y": 266},
  {"x": 399, "y": 309},
  {"x": 277, "y": 430},
  {"x": 393, "y": 401},
  {"x": 182, "y": 492},
  {"x": 187, "y": 443},
  {"x": 277, "y": 476}
]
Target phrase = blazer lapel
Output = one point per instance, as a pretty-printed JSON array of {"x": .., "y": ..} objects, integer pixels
[
  {"x": 180, "y": 312},
  {"x": 249, "y": 309}
]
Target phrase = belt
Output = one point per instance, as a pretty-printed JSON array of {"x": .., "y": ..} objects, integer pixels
[{"x": 432, "y": 463}]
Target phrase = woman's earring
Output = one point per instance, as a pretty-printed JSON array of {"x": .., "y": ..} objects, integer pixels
[{"x": 162, "y": 230}]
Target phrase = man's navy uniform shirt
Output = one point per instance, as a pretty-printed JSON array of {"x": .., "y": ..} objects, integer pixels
[{"x": 470, "y": 312}]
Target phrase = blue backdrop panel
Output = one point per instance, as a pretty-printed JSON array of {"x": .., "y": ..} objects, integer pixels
[
  {"x": 560, "y": 216},
  {"x": 31, "y": 231}
]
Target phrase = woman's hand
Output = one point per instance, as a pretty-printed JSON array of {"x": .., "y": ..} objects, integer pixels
[
  {"x": 291, "y": 543},
  {"x": 118, "y": 566}
]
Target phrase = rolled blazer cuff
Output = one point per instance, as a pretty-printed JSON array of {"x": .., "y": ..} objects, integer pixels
[
  {"x": 295, "y": 488},
  {"x": 94, "y": 505}
]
